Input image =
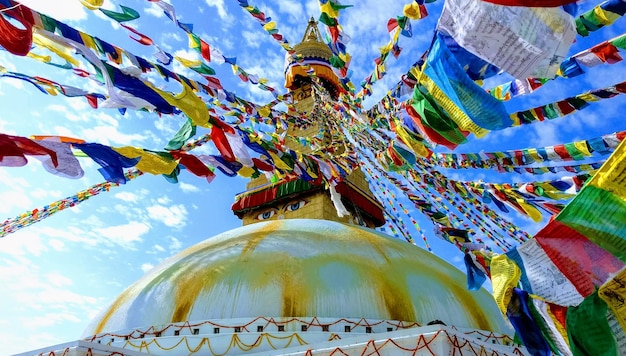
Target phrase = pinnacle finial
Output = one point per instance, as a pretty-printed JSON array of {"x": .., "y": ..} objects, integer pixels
[{"x": 312, "y": 33}]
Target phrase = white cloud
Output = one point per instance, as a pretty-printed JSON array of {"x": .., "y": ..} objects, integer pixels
[
  {"x": 16, "y": 83},
  {"x": 58, "y": 280},
  {"x": 545, "y": 135},
  {"x": 164, "y": 200},
  {"x": 188, "y": 188},
  {"x": 172, "y": 36},
  {"x": 167, "y": 128},
  {"x": 105, "y": 119},
  {"x": 294, "y": 9},
  {"x": 50, "y": 319},
  {"x": 253, "y": 39},
  {"x": 108, "y": 135},
  {"x": 127, "y": 197},
  {"x": 64, "y": 131},
  {"x": 175, "y": 244},
  {"x": 23, "y": 245},
  {"x": 34, "y": 300},
  {"x": 4, "y": 127},
  {"x": 173, "y": 216},
  {"x": 17, "y": 342},
  {"x": 146, "y": 267},
  {"x": 40, "y": 193},
  {"x": 18, "y": 200},
  {"x": 125, "y": 235},
  {"x": 56, "y": 244},
  {"x": 155, "y": 11},
  {"x": 219, "y": 5},
  {"x": 63, "y": 10}
]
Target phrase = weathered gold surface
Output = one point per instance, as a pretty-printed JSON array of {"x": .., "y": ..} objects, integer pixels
[{"x": 301, "y": 268}]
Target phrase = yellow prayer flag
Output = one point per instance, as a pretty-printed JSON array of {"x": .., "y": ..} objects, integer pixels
[
  {"x": 264, "y": 111},
  {"x": 246, "y": 172},
  {"x": 612, "y": 174},
  {"x": 39, "y": 57},
  {"x": 88, "y": 41},
  {"x": 588, "y": 97},
  {"x": 605, "y": 17},
  {"x": 92, "y": 4},
  {"x": 188, "y": 102},
  {"x": 457, "y": 115},
  {"x": 613, "y": 293},
  {"x": 54, "y": 47},
  {"x": 149, "y": 162},
  {"x": 535, "y": 155},
  {"x": 270, "y": 26},
  {"x": 386, "y": 48},
  {"x": 412, "y": 11},
  {"x": 189, "y": 63},
  {"x": 279, "y": 163},
  {"x": 582, "y": 147},
  {"x": 505, "y": 275},
  {"x": 329, "y": 10},
  {"x": 417, "y": 147}
]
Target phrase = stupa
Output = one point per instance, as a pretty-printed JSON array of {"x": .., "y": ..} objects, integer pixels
[
  {"x": 301, "y": 278},
  {"x": 295, "y": 197}
]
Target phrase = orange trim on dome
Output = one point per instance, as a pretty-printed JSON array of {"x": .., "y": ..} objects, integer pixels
[{"x": 320, "y": 71}]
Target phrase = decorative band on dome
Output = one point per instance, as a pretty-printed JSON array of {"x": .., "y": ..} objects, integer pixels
[
  {"x": 308, "y": 61},
  {"x": 270, "y": 194},
  {"x": 321, "y": 71}
]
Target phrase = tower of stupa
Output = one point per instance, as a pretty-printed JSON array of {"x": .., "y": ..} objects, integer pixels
[{"x": 288, "y": 197}]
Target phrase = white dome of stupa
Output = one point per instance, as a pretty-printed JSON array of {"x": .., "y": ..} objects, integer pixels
[{"x": 301, "y": 268}]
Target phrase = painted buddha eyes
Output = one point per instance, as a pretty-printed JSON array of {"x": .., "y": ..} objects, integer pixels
[
  {"x": 268, "y": 214},
  {"x": 295, "y": 206}
]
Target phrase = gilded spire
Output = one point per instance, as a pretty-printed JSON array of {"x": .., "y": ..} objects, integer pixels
[
  {"x": 312, "y": 33},
  {"x": 312, "y": 45}
]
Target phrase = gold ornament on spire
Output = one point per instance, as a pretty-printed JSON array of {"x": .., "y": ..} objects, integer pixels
[{"x": 312, "y": 45}]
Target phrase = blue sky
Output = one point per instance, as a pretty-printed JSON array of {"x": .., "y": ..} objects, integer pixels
[{"x": 57, "y": 274}]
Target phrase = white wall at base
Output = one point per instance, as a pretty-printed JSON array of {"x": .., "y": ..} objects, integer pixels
[
  {"x": 81, "y": 348},
  {"x": 427, "y": 340}
]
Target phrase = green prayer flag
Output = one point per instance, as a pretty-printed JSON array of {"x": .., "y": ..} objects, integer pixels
[
  {"x": 588, "y": 329},
  {"x": 49, "y": 24},
  {"x": 327, "y": 20},
  {"x": 127, "y": 14},
  {"x": 574, "y": 151},
  {"x": 204, "y": 69},
  {"x": 337, "y": 6},
  {"x": 619, "y": 42},
  {"x": 336, "y": 62},
  {"x": 435, "y": 117},
  {"x": 187, "y": 131},
  {"x": 578, "y": 103},
  {"x": 550, "y": 112}
]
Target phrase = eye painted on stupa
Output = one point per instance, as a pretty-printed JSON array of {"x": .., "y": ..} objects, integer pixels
[
  {"x": 295, "y": 206},
  {"x": 267, "y": 214}
]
